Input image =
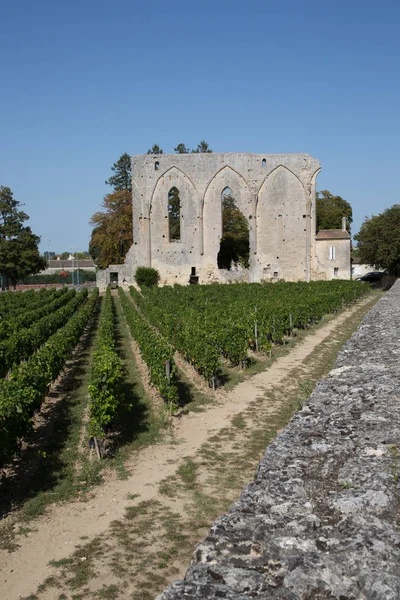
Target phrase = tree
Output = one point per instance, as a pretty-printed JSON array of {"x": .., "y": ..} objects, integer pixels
[
  {"x": 19, "y": 252},
  {"x": 330, "y": 211},
  {"x": 122, "y": 178},
  {"x": 379, "y": 240},
  {"x": 112, "y": 235},
  {"x": 155, "y": 150},
  {"x": 174, "y": 215},
  {"x": 202, "y": 147},
  {"x": 234, "y": 246},
  {"x": 181, "y": 149},
  {"x": 65, "y": 255}
]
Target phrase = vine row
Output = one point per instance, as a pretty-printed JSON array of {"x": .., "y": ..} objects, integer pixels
[
  {"x": 156, "y": 352},
  {"x": 106, "y": 383},
  {"x": 21, "y": 344},
  {"x": 24, "y": 391}
]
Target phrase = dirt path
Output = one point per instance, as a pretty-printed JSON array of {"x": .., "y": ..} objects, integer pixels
[{"x": 61, "y": 530}]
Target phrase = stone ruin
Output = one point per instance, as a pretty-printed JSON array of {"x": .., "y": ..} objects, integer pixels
[{"x": 274, "y": 192}]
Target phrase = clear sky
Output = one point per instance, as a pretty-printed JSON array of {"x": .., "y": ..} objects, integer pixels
[{"x": 85, "y": 81}]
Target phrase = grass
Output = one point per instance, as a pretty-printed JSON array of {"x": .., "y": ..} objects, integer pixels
[{"x": 187, "y": 472}]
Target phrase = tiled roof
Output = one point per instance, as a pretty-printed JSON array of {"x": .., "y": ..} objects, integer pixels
[
  {"x": 65, "y": 264},
  {"x": 333, "y": 234}
]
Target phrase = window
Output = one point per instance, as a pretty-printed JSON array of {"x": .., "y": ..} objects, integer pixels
[
  {"x": 156, "y": 165},
  {"x": 335, "y": 272},
  {"x": 263, "y": 163},
  {"x": 332, "y": 252},
  {"x": 174, "y": 215}
]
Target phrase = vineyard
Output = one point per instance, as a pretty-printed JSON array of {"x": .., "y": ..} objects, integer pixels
[
  {"x": 145, "y": 397},
  {"x": 208, "y": 324},
  {"x": 211, "y": 327}
]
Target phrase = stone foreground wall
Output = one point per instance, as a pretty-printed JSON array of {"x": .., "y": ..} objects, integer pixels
[{"x": 321, "y": 518}]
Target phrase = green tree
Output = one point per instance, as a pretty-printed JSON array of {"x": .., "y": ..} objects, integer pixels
[
  {"x": 174, "y": 215},
  {"x": 234, "y": 246},
  {"x": 82, "y": 255},
  {"x": 155, "y": 150},
  {"x": 19, "y": 252},
  {"x": 181, "y": 149},
  {"x": 379, "y": 240},
  {"x": 65, "y": 255},
  {"x": 112, "y": 235},
  {"x": 122, "y": 178},
  {"x": 202, "y": 147},
  {"x": 330, "y": 211}
]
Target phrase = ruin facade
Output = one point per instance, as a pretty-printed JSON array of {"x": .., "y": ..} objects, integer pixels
[{"x": 275, "y": 193}]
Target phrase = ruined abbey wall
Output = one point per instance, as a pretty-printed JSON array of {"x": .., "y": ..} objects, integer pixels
[
  {"x": 275, "y": 193},
  {"x": 321, "y": 518}
]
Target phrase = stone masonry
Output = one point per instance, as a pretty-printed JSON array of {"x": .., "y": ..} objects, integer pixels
[
  {"x": 275, "y": 193},
  {"x": 321, "y": 518}
]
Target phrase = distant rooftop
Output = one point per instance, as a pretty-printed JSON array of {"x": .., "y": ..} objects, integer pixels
[
  {"x": 64, "y": 264},
  {"x": 332, "y": 234}
]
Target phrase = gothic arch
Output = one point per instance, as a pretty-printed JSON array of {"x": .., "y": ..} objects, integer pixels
[
  {"x": 212, "y": 208},
  {"x": 177, "y": 175},
  {"x": 277, "y": 168},
  {"x": 282, "y": 224},
  {"x": 225, "y": 172},
  {"x": 161, "y": 247}
]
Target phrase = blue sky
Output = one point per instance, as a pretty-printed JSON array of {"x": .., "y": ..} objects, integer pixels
[{"x": 83, "y": 82}]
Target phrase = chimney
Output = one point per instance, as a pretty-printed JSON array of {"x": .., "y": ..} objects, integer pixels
[{"x": 344, "y": 221}]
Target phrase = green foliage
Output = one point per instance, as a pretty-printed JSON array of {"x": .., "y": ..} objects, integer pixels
[
  {"x": 122, "y": 178},
  {"x": 19, "y": 253},
  {"x": 14, "y": 303},
  {"x": 106, "y": 384},
  {"x": 379, "y": 240},
  {"x": 235, "y": 247},
  {"x": 25, "y": 389},
  {"x": 202, "y": 147},
  {"x": 155, "y": 150},
  {"x": 39, "y": 307},
  {"x": 154, "y": 350},
  {"x": 146, "y": 276},
  {"x": 174, "y": 215},
  {"x": 207, "y": 322},
  {"x": 59, "y": 279},
  {"x": 181, "y": 149},
  {"x": 24, "y": 341},
  {"x": 330, "y": 211},
  {"x": 112, "y": 235}
]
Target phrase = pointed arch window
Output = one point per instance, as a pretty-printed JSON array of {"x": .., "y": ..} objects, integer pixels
[
  {"x": 174, "y": 215},
  {"x": 234, "y": 244}
]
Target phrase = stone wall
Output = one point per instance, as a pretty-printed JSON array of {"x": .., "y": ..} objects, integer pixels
[
  {"x": 321, "y": 518},
  {"x": 336, "y": 267},
  {"x": 274, "y": 192}
]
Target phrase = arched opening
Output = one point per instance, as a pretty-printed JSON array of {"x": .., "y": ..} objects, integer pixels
[
  {"x": 235, "y": 245},
  {"x": 156, "y": 165},
  {"x": 174, "y": 215},
  {"x": 263, "y": 163}
]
